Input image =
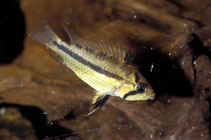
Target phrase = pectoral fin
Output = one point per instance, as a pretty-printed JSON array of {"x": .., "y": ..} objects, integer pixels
[{"x": 97, "y": 102}]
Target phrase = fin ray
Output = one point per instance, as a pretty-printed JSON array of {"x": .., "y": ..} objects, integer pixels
[
  {"x": 97, "y": 102},
  {"x": 44, "y": 34},
  {"x": 100, "y": 47}
]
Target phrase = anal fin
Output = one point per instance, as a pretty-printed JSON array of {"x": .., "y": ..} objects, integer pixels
[
  {"x": 98, "y": 101},
  {"x": 56, "y": 57}
]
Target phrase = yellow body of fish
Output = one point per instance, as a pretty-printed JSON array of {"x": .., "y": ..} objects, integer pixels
[{"x": 98, "y": 64}]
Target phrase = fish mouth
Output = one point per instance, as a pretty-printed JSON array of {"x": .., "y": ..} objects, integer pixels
[
  {"x": 150, "y": 94},
  {"x": 152, "y": 97}
]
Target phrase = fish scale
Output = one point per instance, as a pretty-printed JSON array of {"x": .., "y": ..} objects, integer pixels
[{"x": 96, "y": 80}]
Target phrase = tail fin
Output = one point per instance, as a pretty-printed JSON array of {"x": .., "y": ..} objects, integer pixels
[{"x": 44, "y": 34}]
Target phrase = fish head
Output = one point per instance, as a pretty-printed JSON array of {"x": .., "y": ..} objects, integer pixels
[{"x": 136, "y": 88}]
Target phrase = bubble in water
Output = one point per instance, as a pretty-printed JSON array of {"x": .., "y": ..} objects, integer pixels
[
  {"x": 193, "y": 127},
  {"x": 202, "y": 134},
  {"x": 183, "y": 63},
  {"x": 2, "y": 111},
  {"x": 169, "y": 100},
  {"x": 51, "y": 123},
  {"x": 151, "y": 136},
  {"x": 160, "y": 133},
  {"x": 174, "y": 66},
  {"x": 181, "y": 46},
  {"x": 134, "y": 16},
  {"x": 152, "y": 66}
]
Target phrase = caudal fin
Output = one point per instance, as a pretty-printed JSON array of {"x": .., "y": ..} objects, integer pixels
[{"x": 43, "y": 34}]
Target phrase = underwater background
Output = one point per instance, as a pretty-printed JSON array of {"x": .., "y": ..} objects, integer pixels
[{"x": 171, "y": 40}]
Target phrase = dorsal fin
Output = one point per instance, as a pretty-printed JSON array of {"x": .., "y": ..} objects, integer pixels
[
  {"x": 97, "y": 46},
  {"x": 128, "y": 59}
]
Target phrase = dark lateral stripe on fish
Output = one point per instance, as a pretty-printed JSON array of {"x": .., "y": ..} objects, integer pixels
[
  {"x": 85, "y": 62},
  {"x": 129, "y": 93}
]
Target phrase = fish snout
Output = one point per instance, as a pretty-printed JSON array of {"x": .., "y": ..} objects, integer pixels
[{"x": 151, "y": 97}]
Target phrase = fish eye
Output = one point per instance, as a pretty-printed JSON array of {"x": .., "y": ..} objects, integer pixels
[{"x": 140, "y": 88}]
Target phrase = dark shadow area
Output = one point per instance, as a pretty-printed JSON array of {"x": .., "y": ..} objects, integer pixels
[
  {"x": 70, "y": 115},
  {"x": 43, "y": 128},
  {"x": 12, "y": 30},
  {"x": 178, "y": 4},
  {"x": 150, "y": 21},
  {"x": 164, "y": 74},
  {"x": 197, "y": 47}
]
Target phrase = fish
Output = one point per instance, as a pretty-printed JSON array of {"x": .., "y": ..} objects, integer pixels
[{"x": 103, "y": 66}]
